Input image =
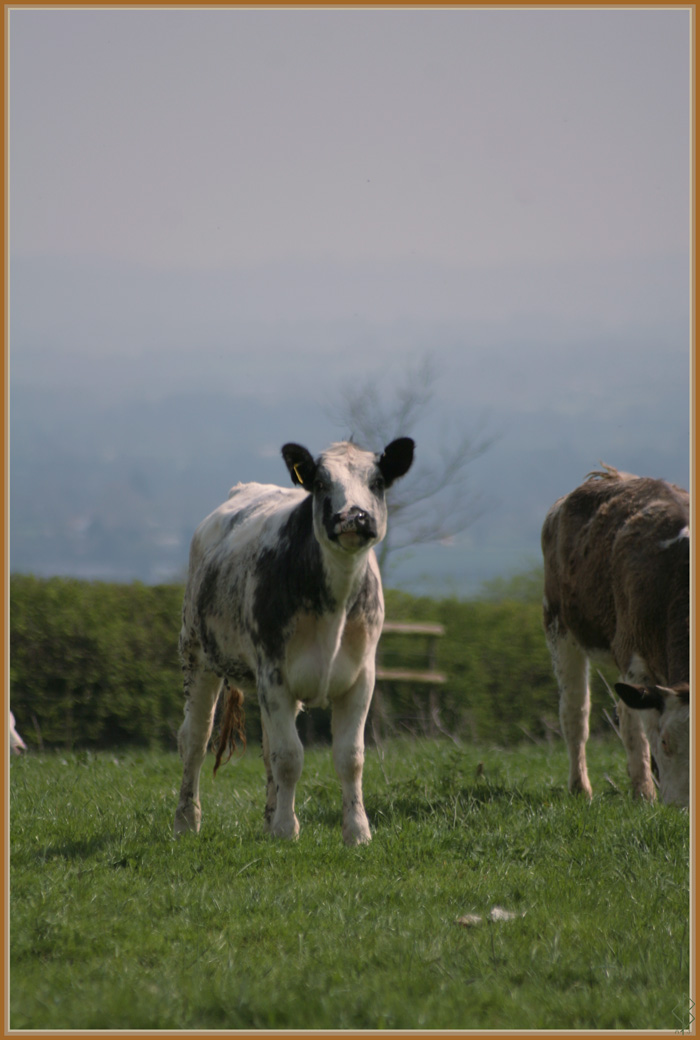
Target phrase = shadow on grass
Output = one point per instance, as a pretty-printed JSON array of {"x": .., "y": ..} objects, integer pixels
[
  {"x": 73, "y": 850},
  {"x": 408, "y": 802},
  {"x": 407, "y": 805}
]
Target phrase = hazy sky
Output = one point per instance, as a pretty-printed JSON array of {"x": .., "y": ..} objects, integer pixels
[
  {"x": 273, "y": 203},
  {"x": 197, "y": 139}
]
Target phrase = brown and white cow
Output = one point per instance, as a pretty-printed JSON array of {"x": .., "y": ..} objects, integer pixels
[
  {"x": 284, "y": 596},
  {"x": 616, "y": 584}
]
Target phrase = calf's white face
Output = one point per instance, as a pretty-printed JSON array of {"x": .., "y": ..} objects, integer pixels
[
  {"x": 665, "y": 713},
  {"x": 348, "y": 486}
]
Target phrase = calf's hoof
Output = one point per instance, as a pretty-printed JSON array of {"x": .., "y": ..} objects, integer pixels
[
  {"x": 287, "y": 829},
  {"x": 188, "y": 819},
  {"x": 352, "y": 839},
  {"x": 645, "y": 790},
  {"x": 357, "y": 832},
  {"x": 579, "y": 786}
]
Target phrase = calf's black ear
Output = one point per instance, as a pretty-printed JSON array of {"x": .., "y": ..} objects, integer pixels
[
  {"x": 641, "y": 698},
  {"x": 396, "y": 459},
  {"x": 300, "y": 464}
]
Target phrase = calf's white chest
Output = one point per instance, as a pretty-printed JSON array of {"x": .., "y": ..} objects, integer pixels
[{"x": 325, "y": 657}]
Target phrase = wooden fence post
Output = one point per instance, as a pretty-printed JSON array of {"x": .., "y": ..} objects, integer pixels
[{"x": 428, "y": 677}]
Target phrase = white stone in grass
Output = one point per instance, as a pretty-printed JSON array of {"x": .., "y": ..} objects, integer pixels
[
  {"x": 497, "y": 914},
  {"x": 470, "y": 920}
]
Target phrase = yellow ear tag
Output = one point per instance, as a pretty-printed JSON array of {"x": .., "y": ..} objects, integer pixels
[{"x": 297, "y": 474}]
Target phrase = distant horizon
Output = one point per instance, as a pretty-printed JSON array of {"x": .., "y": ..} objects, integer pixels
[{"x": 153, "y": 447}]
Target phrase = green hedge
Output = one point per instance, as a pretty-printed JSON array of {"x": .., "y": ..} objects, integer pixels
[{"x": 95, "y": 665}]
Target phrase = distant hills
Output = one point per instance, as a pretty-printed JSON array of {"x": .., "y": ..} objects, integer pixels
[{"x": 135, "y": 404}]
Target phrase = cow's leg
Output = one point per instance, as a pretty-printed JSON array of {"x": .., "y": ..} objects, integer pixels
[
  {"x": 284, "y": 758},
  {"x": 638, "y": 755},
  {"x": 202, "y": 690},
  {"x": 348, "y": 729},
  {"x": 633, "y": 735},
  {"x": 571, "y": 670}
]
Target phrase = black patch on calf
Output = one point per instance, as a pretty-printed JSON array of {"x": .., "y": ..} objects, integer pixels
[
  {"x": 206, "y": 592},
  {"x": 288, "y": 579},
  {"x": 328, "y": 519},
  {"x": 396, "y": 459},
  {"x": 300, "y": 464},
  {"x": 209, "y": 604}
]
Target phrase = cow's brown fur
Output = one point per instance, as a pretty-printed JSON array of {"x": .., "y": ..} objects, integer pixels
[
  {"x": 606, "y": 579},
  {"x": 617, "y": 582}
]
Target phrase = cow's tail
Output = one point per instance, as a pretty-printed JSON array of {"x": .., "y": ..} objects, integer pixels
[{"x": 232, "y": 724}]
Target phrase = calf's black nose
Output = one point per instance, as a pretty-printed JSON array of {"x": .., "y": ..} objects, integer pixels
[{"x": 357, "y": 520}]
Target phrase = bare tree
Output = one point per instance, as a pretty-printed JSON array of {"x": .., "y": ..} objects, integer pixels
[{"x": 434, "y": 502}]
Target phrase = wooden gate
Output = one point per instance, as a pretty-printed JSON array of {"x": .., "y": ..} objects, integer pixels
[{"x": 427, "y": 708}]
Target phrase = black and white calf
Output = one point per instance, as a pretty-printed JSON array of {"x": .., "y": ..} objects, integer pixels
[
  {"x": 616, "y": 583},
  {"x": 284, "y": 595}
]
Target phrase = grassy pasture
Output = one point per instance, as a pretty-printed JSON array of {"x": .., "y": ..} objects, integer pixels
[{"x": 116, "y": 926}]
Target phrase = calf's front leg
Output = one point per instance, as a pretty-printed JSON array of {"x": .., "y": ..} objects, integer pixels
[
  {"x": 348, "y": 730},
  {"x": 638, "y": 754}
]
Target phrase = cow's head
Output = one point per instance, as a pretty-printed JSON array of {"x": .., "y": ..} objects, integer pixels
[
  {"x": 665, "y": 712},
  {"x": 348, "y": 486}
]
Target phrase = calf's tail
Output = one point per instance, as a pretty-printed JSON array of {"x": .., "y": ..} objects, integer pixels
[{"x": 232, "y": 722}]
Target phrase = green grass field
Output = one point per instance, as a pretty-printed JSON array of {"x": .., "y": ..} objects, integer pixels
[{"x": 114, "y": 925}]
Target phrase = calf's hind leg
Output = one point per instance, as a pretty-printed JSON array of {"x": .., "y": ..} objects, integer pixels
[
  {"x": 202, "y": 691},
  {"x": 571, "y": 670},
  {"x": 284, "y": 758}
]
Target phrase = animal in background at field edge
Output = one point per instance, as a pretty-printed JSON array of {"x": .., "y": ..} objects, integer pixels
[
  {"x": 17, "y": 745},
  {"x": 617, "y": 579},
  {"x": 284, "y": 594}
]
